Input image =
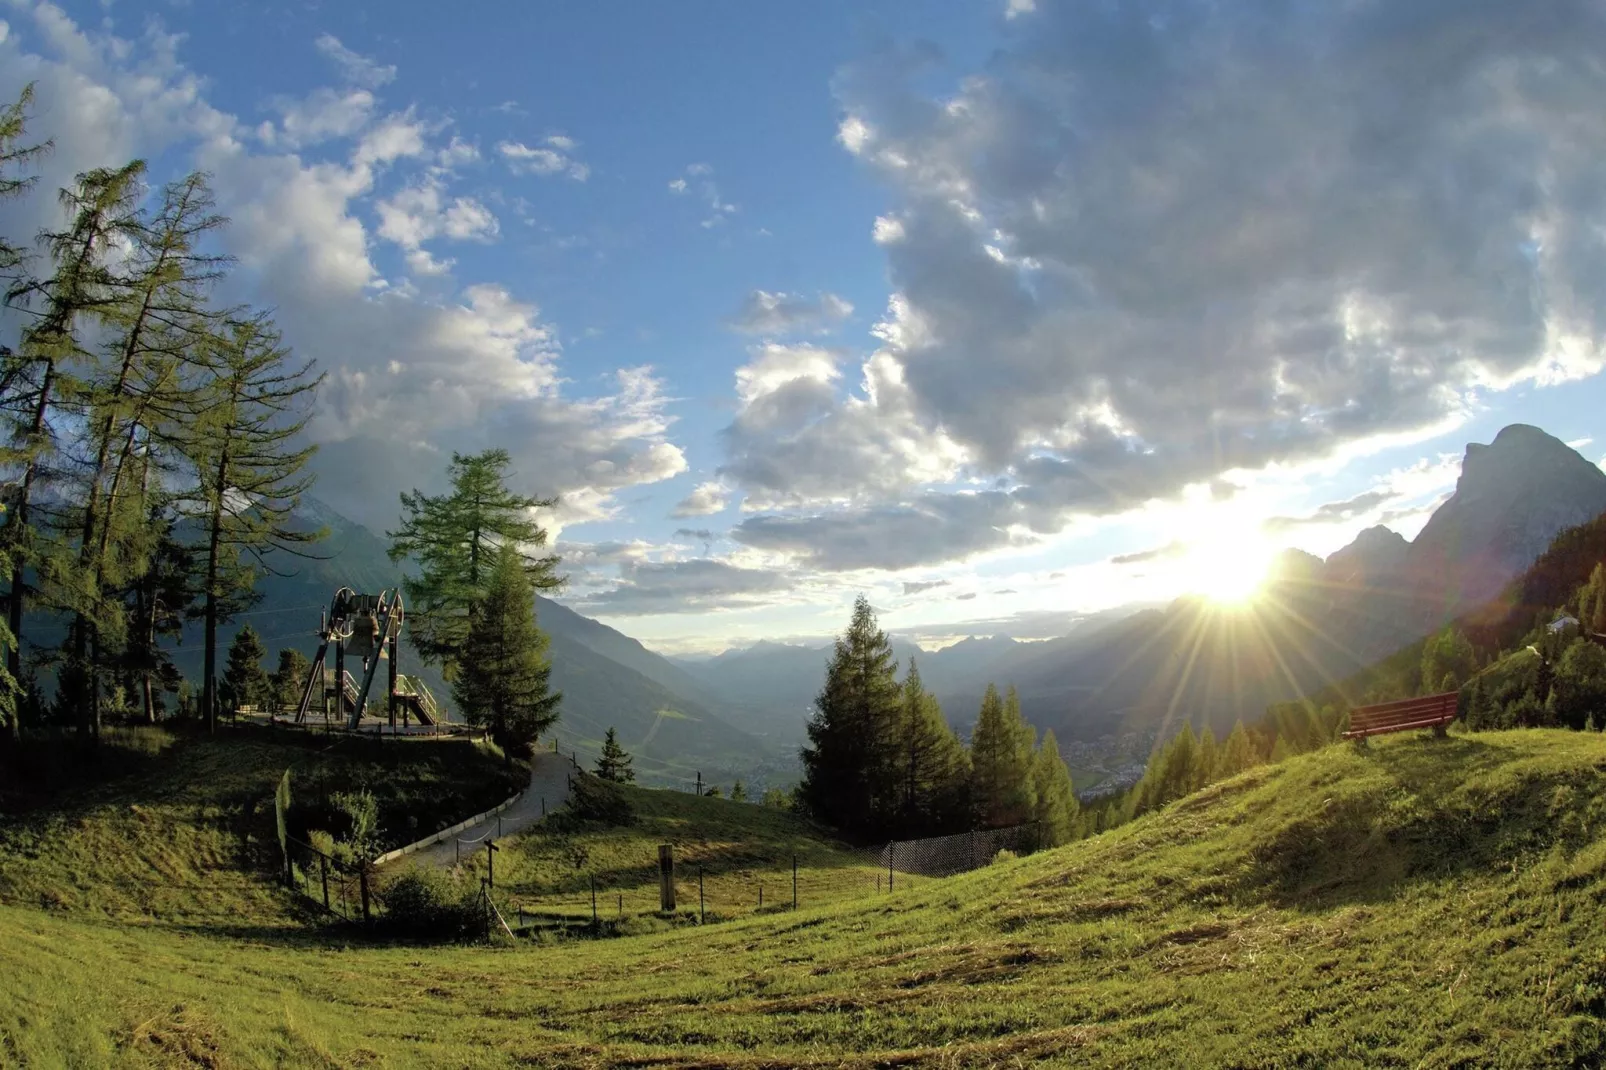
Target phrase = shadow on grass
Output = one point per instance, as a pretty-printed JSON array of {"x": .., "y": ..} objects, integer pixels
[{"x": 1444, "y": 812}]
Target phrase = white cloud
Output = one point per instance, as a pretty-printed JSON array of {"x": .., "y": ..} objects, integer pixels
[
  {"x": 708, "y": 192},
  {"x": 1231, "y": 246},
  {"x": 553, "y": 157},
  {"x": 355, "y": 68},
  {"x": 763, "y": 312},
  {"x": 410, "y": 378},
  {"x": 421, "y": 211},
  {"x": 704, "y": 500},
  {"x": 322, "y": 115}
]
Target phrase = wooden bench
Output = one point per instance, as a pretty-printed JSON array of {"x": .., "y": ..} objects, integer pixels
[{"x": 1429, "y": 711}]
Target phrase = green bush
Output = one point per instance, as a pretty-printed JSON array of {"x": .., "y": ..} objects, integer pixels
[
  {"x": 429, "y": 904},
  {"x": 1005, "y": 855}
]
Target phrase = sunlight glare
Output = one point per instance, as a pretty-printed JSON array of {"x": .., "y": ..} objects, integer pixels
[{"x": 1227, "y": 567}]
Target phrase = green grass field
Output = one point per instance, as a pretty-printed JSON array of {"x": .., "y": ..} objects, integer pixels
[{"x": 1419, "y": 903}]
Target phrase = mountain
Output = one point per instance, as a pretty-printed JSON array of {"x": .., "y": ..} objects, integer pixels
[
  {"x": 1513, "y": 497},
  {"x": 1316, "y": 622}
]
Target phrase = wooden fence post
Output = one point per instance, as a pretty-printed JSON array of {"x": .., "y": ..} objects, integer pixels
[
  {"x": 666, "y": 878},
  {"x": 362, "y": 876}
]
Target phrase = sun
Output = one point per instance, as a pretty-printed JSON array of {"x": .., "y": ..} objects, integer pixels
[{"x": 1227, "y": 567}]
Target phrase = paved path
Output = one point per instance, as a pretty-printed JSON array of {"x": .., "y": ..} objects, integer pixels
[{"x": 549, "y": 781}]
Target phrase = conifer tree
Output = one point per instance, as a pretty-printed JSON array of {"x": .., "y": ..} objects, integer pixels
[
  {"x": 140, "y": 391},
  {"x": 1281, "y": 751},
  {"x": 454, "y": 539},
  {"x": 245, "y": 681},
  {"x": 849, "y": 761},
  {"x": 1206, "y": 762},
  {"x": 290, "y": 678},
  {"x": 614, "y": 764},
  {"x": 1237, "y": 752},
  {"x": 14, "y": 155},
  {"x": 41, "y": 382},
  {"x": 1001, "y": 762},
  {"x": 931, "y": 764},
  {"x": 1055, "y": 800},
  {"x": 504, "y": 671},
  {"x": 738, "y": 792},
  {"x": 246, "y": 447}
]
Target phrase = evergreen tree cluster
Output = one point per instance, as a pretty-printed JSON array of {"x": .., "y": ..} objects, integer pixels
[
  {"x": 882, "y": 761},
  {"x": 152, "y": 441},
  {"x": 479, "y": 560}
]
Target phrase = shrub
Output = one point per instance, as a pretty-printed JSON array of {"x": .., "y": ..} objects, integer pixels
[
  {"x": 1004, "y": 855},
  {"x": 428, "y": 904}
]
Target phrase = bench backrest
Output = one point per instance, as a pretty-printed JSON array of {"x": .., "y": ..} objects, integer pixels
[{"x": 1384, "y": 715}]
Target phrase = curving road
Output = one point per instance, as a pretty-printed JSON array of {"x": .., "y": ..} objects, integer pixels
[{"x": 549, "y": 784}]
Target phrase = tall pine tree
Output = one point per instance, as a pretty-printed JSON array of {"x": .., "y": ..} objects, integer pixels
[
  {"x": 1001, "y": 763},
  {"x": 850, "y": 761},
  {"x": 932, "y": 767},
  {"x": 503, "y": 673},
  {"x": 247, "y": 450},
  {"x": 454, "y": 540},
  {"x": 1055, "y": 806},
  {"x": 245, "y": 681}
]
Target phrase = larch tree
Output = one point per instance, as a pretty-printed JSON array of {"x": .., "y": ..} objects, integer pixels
[
  {"x": 849, "y": 763},
  {"x": 141, "y": 393},
  {"x": 931, "y": 765},
  {"x": 613, "y": 763},
  {"x": 503, "y": 677},
  {"x": 248, "y": 454},
  {"x": 15, "y": 155},
  {"x": 1001, "y": 762},
  {"x": 454, "y": 540},
  {"x": 1054, "y": 799},
  {"x": 42, "y": 381}
]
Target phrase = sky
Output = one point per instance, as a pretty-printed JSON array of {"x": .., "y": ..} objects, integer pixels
[{"x": 1000, "y": 312}]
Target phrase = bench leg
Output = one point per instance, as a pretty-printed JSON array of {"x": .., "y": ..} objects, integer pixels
[{"x": 1441, "y": 731}]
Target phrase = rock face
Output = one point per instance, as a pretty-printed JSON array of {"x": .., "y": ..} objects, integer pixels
[
  {"x": 1376, "y": 554},
  {"x": 1514, "y": 496}
]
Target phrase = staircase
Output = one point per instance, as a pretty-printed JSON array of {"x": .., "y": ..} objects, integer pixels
[
  {"x": 348, "y": 689},
  {"x": 418, "y": 695}
]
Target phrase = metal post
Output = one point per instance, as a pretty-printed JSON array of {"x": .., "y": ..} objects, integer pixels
[
  {"x": 490, "y": 862},
  {"x": 392, "y": 703},
  {"x": 666, "y": 878},
  {"x": 699, "y": 782},
  {"x": 323, "y": 871}
]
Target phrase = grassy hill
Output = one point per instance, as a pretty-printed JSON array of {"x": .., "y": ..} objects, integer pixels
[
  {"x": 180, "y": 830},
  {"x": 1418, "y": 903}
]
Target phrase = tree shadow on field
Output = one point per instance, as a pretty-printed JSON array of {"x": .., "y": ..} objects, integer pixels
[{"x": 1444, "y": 812}]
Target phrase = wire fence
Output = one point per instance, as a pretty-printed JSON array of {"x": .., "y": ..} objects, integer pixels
[{"x": 544, "y": 878}]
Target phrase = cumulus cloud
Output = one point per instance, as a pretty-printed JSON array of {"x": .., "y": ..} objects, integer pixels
[
  {"x": 704, "y": 500},
  {"x": 763, "y": 312},
  {"x": 1154, "y": 243},
  {"x": 354, "y": 67},
  {"x": 685, "y": 587},
  {"x": 410, "y": 379},
  {"x": 422, "y": 211},
  {"x": 554, "y": 156}
]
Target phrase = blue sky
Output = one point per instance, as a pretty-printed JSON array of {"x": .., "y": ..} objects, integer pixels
[{"x": 948, "y": 303}]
